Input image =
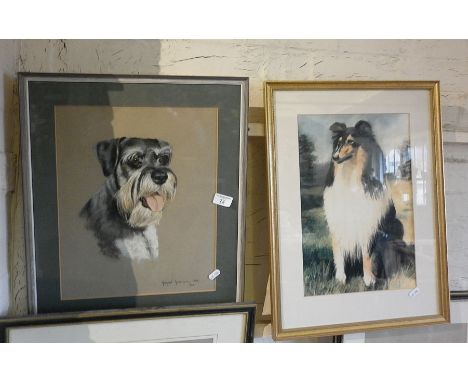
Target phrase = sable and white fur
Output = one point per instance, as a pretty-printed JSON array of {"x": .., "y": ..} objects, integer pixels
[
  {"x": 125, "y": 212},
  {"x": 359, "y": 211}
]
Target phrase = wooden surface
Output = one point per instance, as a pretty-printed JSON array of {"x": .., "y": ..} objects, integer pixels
[{"x": 257, "y": 256}]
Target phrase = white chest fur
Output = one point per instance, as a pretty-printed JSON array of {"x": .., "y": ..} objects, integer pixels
[
  {"x": 141, "y": 246},
  {"x": 352, "y": 215}
]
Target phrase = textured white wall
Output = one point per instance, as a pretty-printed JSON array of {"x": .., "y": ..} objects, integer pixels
[
  {"x": 8, "y": 68},
  {"x": 445, "y": 60}
]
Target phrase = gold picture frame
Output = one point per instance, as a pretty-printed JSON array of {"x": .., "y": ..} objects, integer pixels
[{"x": 284, "y": 102}]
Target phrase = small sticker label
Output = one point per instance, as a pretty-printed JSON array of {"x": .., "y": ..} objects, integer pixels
[
  {"x": 214, "y": 274},
  {"x": 414, "y": 292},
  {"x": 223, "y": 200}
]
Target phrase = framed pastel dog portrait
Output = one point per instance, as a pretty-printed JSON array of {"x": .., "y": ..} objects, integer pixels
[
  {"x": 357, "y": 206},
  {"x": 120, "y": 175}
]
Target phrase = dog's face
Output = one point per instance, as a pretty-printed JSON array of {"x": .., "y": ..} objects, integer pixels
[
  {"x": 144, "y": 181},
  {"x": 351, "y": 142}
]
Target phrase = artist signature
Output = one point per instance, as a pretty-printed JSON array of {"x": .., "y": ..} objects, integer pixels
[{"x": 176, "y": 283}]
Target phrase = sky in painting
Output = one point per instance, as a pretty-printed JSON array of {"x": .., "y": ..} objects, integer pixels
[{"x": 390, "y": 130}]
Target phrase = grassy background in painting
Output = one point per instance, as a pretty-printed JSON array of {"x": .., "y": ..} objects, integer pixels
[{"x": 319, "y": 270}]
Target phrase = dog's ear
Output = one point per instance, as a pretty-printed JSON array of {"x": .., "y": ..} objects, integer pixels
[
  {"x": 107, "y": 153},
  {"x": 337, "y": 129},
  {"x": 363, "y": 126}
]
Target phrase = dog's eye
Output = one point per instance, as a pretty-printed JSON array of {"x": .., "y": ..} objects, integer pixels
[
  {"x": 135, "y": 162},
  {"x": 163, "y": 160}
]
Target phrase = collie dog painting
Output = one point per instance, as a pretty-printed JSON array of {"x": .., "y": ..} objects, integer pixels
[{"x": 356, "y": 201}]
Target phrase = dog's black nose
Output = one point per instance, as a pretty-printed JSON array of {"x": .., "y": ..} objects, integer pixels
[{"x": 159, "y": 175}]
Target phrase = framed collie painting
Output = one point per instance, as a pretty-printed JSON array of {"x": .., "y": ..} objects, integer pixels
[
  {"x": 120, "y": 179},
  {"x": 357, "y": 206}
]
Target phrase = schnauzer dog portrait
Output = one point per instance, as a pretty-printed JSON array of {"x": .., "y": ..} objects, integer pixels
[{"x": 125, "y": 212}]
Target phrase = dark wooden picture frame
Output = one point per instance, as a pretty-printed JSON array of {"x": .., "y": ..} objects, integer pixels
[
  {"x": 39, "y": 95},
  {"x": 128, "y": 315}
]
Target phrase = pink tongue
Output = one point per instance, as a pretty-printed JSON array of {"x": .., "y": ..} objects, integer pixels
[{"x": 155, "y": 202}]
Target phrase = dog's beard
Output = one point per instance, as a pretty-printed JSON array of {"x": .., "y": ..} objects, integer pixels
[{"x": 141, "y": 201}]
